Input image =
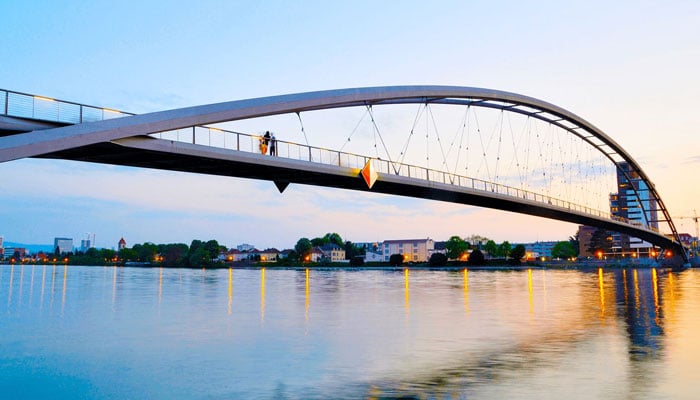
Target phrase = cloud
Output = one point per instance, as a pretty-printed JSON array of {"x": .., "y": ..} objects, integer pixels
[{"x": 692, "y": 160}]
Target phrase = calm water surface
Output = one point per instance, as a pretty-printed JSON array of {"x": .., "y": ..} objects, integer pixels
[{"x": 107, "y": 332}]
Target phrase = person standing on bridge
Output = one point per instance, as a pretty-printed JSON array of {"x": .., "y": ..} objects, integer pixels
[
  {"x": 264, "y": 141},
  {"x": 273, "y": 145}
]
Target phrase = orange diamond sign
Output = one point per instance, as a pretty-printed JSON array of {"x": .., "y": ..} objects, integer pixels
[{"x": 369, "y": 174}]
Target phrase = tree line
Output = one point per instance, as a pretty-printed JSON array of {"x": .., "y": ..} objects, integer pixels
[{"x": 198, "y": 254}]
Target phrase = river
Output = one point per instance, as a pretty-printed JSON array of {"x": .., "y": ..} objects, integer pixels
[{"x": 69, "y": 332}]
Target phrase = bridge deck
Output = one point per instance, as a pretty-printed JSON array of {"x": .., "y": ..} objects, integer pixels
[{"x": 148, "y": 152}]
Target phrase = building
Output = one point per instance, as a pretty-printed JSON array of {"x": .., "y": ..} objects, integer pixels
[
  {"x": 62, "y": 245},
  {"x": 632, "y": 203},
  {"x": 234, "y": 255},
  {"x": 245, "y": 247},
  {"x": 121, "y": 245},
  {"x": 369, "y": 246},
  {"x": 373, "y": 256},
  {"x": 538, "y": 249},
  {"x": 316, "y": 255},
  {"x": 416, "y": 250},
  {"x": 333, "y": 252},
  {"x": 85, "y": 245},
  {"x": 268, "y": 255},
  {"x": 585, "y": 234},
  {"x": 11, "y": 252}
]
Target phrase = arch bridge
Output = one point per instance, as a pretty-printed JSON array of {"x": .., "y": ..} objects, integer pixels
[{"x": 185, "y": 139}]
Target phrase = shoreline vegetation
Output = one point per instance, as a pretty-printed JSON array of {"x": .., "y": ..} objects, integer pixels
[
  {"x": 493, "y": 265},
  {"x": 455, "y": 254}
]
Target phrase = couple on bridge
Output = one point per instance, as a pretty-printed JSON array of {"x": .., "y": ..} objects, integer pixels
[{"x": 268, "y": 140}]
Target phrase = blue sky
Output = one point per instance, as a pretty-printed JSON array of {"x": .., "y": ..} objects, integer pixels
[{"x": 630, "y": 68}]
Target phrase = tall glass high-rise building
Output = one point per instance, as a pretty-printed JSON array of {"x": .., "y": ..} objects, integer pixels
[
  {"x": 633, "y": 203},
  {"x": 63, "y": 245}
]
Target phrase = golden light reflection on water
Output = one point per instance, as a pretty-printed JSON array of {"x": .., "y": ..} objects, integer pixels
[
  {"x": 529, "y": 290},
  {"x": 306, "y": 297},
  {"x": 601, "y": 290},
  {"x": 262, "y": 295},
  {"x": 230, "y": 290},
  {"x": 655, "y": 288},
  {"x": 63, "y": 294},
  {"x": 407, "y": 300},
  {"x": 671, "y": 296},
  {"x": 635, "y": 278},
  {"x": 466, "y": 291},
  {"x": 636, "y": 347}
]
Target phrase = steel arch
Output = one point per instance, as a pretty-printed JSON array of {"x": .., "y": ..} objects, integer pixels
[{"x": 51, "y": 140}]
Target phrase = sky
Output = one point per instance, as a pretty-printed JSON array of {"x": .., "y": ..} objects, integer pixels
[{"x": 628, "y": 67}]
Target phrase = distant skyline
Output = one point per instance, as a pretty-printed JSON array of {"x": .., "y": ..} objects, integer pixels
[{"x": 628, "y": 67}]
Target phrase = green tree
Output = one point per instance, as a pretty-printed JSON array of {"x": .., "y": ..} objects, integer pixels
[
  {"x": 563, "y": 250},
  {"x": 491, "y": 248},
  {"x": 396, "y": 259},
  {"x": 174, "y": 254},
  {"x": 456, "y": 246},
  {"x": 601, "y": 241},
  {"x": 145, "y": 252},
  {"x": 357, "y": 261},
  {"x": 437, "y": 260},
  {"x": 517, "y": 253},
  {"x": 212, "y": 248},
  {"x": 575, "y": 243},
  {"x": 476, "y": 257},
  {"x": 199, "y": 257},
  {"x": 107, "y": 255},
  {"x": 127, "y": 254},
  {"x": 504, "y": 249},
  {"x": 352, "y": 251},
  {"x": 333, "y": 238},
  {"x": 303, "y": 248}
]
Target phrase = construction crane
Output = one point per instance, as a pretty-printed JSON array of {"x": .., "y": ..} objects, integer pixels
[{"x": 697, "y": 230}]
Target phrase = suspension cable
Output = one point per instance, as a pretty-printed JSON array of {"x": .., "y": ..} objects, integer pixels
[
  {"x": 376, "y": 128},
  {"x": 302, "y": 128}
]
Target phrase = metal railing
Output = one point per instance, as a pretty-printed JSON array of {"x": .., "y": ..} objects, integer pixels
[
  {"x": 23, "y": 105},
  {"x": 237, "y": 141}
]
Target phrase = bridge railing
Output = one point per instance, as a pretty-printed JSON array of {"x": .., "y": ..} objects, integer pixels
[
  {"x": 238, "y": 141},
  {"x": 23, "y": 105}
]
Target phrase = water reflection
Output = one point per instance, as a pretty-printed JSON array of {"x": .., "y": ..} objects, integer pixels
[
  {"x": 529, "y": 291},
  {"x": 63, "y": 293},
  {"x": 230, "y": 290},
  {"x": 306, "y": 296},
  {"x": 462, "y": 334},
  {"x": 466, "y": 291},
  {"x": 640, "y": 309},
  {"x": 407, "y": 294},
  {"x": 262, "y": 295}
]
